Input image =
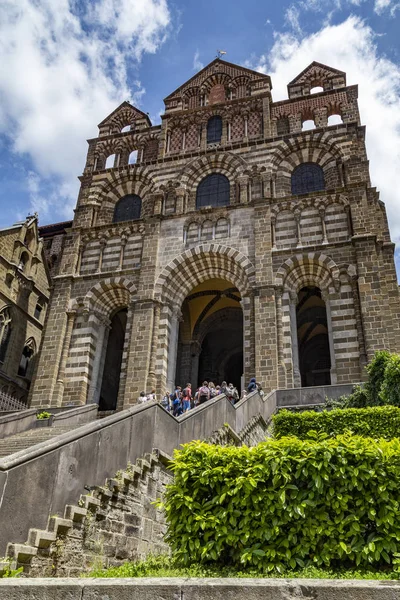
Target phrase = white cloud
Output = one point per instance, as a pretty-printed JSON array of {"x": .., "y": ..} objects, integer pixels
[
  {"x": 381, "y": 6},
  {"x": 350, "y": 46},
  {"x": 197, "y": 64},
  {"x": 61, "y": 73},
  {"x": 292, "y": 18}
]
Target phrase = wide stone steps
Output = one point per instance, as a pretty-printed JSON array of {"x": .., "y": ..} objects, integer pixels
[{"x": 26, "y": 439}]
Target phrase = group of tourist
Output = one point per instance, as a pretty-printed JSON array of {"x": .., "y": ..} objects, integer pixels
[{"x": 182, "y": 400}]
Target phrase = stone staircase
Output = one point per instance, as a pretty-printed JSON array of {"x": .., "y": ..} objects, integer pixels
[
  {"x": 111, "y": 523},
  {"x": 26, "y": 439}
]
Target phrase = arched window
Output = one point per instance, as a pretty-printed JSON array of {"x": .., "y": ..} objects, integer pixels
[
  {"x": 111, "y": 161},
  {"x": 27, "y": 353},
  {"x": 133, "y": 157},
  {"x": 308, "y": 177},
  {"x": 23, "y": 261},
  {"x": 316, "y": 90},
  {"x": 283, "y": 126},
  {"x": 128, "y": 208},
  {"x": 335, "y": 119},
  {"x": 214, "y": 130},
  {"x": 5, "y": 332},
  {"x": 213, "y": 190}
]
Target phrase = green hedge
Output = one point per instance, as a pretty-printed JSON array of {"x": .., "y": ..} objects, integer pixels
[
  {"x": 286, "y": 503},
  {"x": 377, "y": 422}
]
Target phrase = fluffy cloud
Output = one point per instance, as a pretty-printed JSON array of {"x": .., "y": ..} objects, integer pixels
[
  {"x": 63, "y": 69},
  {"x": 351, "y": 47}
]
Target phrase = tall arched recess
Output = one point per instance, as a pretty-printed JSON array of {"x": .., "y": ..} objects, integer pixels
[{"x": 213, "y": 190}]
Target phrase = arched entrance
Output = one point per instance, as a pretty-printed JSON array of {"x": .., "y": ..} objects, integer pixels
[
  {"x": 210, "y": 343},
  {"x": 112, "y": 361},
  {"x": 313, "y": 338}
]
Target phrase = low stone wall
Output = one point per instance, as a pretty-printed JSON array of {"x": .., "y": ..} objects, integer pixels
[
  {"x": 17, "y": 422},
  {"x": 197, "y": 589}
]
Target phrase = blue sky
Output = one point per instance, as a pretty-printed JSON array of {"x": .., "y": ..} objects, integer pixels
[{"x": 65, "y": 64}]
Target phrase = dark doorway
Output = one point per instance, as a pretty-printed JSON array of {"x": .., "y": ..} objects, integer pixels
[
  {"x": 312, "y": 336},
  {"x": 221, "y": 357},
  {"x": 113, "y": 361}
]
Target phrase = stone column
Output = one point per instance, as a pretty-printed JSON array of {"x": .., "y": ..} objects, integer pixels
[
  {"x": 325, "y": 298},
  {"x": 154, "y": 343},
  {"x": 273, "y": 232},
  {"x": 243, "y": 182},
  {"x": 322, "y": 216},
  {"x": 279, "y": 338},
  {"x": 294, "y": 338},
  {"x": 104, "y": 326},
  {"x": 138, "y": 351},
  {"x": 359, "y": 323},
  {"x": 195, "y": 351},
  {"x": 59, "y": 390},
  {"x": 158, "y": 203},
  {"x": 123, "y": 242},
  {"x": 180, "y": 196},
  {"x": 297, "y": 216},
  {"x": 173, "y": 348},
  {"x": 78, "y": 259},
  {"x": 103, "y": 243}
]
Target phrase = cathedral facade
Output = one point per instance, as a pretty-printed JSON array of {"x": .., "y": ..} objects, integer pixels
[{"x": 239, "y": 238}]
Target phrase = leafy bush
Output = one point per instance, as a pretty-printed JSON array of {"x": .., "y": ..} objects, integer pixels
[
  {"x": 390, "y": 389},
  {"x": 286, "y": 503},
  {"x": 43, "y": 415},
  {"x": 376, "y": 376},
  {"x": 375, "y": 421}
]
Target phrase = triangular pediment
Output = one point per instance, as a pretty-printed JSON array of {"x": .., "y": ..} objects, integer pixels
[
  {"x": 126, "y": 112},
  {"x": 226, "y": 71},
  {"x": 317, "y": 71}
]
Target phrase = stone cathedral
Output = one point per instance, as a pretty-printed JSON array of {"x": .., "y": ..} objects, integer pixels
[{"x": 241, "y": 237}]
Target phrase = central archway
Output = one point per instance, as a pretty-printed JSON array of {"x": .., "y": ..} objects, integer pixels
[{"x": 210, "y": 345}]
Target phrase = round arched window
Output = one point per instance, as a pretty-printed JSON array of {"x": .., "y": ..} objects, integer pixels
[
  {"x": 128, "y": 208},
  {"x": 307, "y": 177},
  {"x": 213, "y": 190}
]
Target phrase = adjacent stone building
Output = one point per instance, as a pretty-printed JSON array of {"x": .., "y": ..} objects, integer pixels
[
  {"x": 240, "y": 237},
  {"x": 24, "y": 296}
]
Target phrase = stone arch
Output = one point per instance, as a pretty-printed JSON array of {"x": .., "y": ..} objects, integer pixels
[
  {"x": 225, "y": 163},
  {"x": 320, "y": 150},
  {"x": 109, "y": 295},
  {"x": 205, "y": 261},
  {"x": 117, "y": 185},
  {"x": 313, "y": 268}
]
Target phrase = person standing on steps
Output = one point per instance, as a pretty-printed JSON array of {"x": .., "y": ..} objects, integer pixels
[
  {"x": 252, "y": 385},
  {"x": 187, "y": 397},
  {"x": 204, "y": 393}
]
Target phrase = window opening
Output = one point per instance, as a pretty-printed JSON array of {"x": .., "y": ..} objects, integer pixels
[
  {"x": 316, "y": 90},
  {"x": 308, "y": 124},
  {"x": 128, "y": 208},
  {"x": 110, "y": 162},
  {"x": 214, "y": 130},
  {"x": 213, "y": 190},
  {"x": 335, "y": 120},
  {"x": 307, "y": 177},
  {"x": 133, "y": 157}
]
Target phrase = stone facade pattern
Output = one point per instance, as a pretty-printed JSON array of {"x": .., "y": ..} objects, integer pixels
[
  {"x": 267, "y": 242},
  {"x": 24, "y": 296}
]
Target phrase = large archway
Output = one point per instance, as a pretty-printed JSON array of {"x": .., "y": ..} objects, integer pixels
[
  {"x": 210, "y": 343},
  {"x": 113, "y": 361},
  {"x": 313, "y": 338}
]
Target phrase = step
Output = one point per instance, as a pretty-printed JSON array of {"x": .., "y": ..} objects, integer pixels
[
  {"x": 41, "y": 538},
  {"x": 75, "y": 513},
  {"x": 59, "y": 525},
  {"x": 22, "y": 553},
  {"x": 24, "y": 440}
]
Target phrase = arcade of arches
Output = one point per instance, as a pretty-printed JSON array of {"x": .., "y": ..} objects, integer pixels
[{"x": 210, "y": 343}]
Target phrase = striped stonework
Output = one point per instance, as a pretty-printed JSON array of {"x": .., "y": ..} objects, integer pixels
[{"x": 264, "y": 241}]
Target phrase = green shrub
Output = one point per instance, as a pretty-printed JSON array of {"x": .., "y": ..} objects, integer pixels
[
  {"x": 375, "y": 421},
  {"x": 43, "y": 415},
  {"x": 286, "y": 503},
  {"x": 390, "y": 389},
  {"x": 376, "y": 376}
]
